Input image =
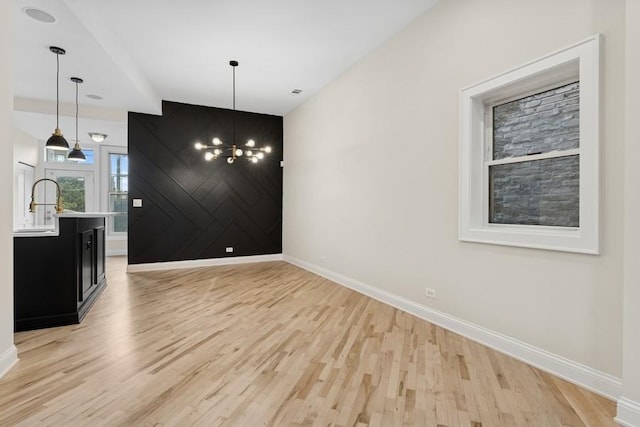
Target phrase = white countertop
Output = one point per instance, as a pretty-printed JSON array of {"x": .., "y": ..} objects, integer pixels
[
  {"x": 37, "y": 231},
  {"x": 53, "y": 230},
  {"x": 84, "y": 214}
]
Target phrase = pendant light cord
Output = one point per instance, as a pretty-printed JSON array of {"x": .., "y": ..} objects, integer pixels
[
  {"x": 77, "y": 112},
  {"x": 234, "y": 106},
  {"x": 57, "y": 90}
]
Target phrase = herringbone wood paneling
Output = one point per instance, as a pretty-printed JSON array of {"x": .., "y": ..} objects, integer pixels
[{"x": 193, "y": 209}]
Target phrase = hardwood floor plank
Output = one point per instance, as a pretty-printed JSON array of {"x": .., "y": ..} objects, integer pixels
[{"x": 270, "y": 344}]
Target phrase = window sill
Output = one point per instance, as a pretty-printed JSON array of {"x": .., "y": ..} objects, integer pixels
[{"x": 563, "y": 239}]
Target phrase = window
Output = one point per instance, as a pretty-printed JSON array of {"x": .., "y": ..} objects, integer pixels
[
  {"x": 534, "y": 161},
  {"x": 114, "y": 189},
  {"x": 72, "y": 192},
  {"x": 58, "y": 156},
  {"x": 118, "y": 192},
  {"x": 529, "y": 154}
]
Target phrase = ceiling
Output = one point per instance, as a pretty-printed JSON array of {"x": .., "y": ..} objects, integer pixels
[{"x": 136, "y": 53}]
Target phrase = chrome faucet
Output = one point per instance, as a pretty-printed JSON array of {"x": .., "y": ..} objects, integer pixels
[{"x": 57, "y": 204}]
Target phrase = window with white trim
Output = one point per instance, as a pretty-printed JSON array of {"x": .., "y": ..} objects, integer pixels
[
  {"x": 115, "y": 189},
  {"x": 529, "y": 154},
  {"x": 118, "y": 191}
]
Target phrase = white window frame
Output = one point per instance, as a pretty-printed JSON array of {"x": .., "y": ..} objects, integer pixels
[
  {"x": 105, "y": 152},
  {"x": 579, "y": 62}
]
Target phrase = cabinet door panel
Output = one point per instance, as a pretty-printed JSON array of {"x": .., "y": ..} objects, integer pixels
[
  {"x": 86, "y": 262},
  {"x": 99, "y": 269}
]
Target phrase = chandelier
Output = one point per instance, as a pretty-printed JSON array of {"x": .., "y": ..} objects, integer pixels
[{"x": 232, "y": 152}]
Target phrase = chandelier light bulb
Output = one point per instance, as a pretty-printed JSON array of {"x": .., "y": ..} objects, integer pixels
[
  {"x": 254, "y": 159},
  {"x": 251, "y": 143},
  {"x": 217, "y": 151},
  {"x": 230, "y": 160},
  {"x": 208, "y": 156},
  {"x": 267, "y": 149},
  {"x": 249, "y": 153},
  {"x": 199, "y": 145},
  {"x": 216, "y": 141},
  {"x": 238, "y": 152},
  {"x": 260, "y": 155}
]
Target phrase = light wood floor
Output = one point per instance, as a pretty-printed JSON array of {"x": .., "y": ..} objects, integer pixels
[{"x": 270, "y": 344}]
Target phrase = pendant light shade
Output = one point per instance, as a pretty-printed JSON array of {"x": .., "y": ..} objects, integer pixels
[
  {"x": 57, "y": 141},
  {"x": 76, "y": 154}
]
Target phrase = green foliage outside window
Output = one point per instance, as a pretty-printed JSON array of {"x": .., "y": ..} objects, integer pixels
[{"x": 72, "y": 191}]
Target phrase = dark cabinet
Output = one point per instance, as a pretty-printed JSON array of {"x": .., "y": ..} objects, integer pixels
[
  {"x": 91, "y": 262},
  {"x": 58, "y": 278}
]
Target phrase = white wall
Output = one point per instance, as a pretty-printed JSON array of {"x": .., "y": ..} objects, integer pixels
[
  {"x": 25, "y": 150},
  {"x": 371, "y": 178},
  {"x": 629, "y": 406},
  {"x": 25, "y": 147},
  {"x": 7, "y": 349}
]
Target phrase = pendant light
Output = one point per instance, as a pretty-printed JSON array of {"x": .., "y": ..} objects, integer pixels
[
  {"x": 233, "y": 151},
  {"x": 76, "y": 155},
  {"x": 57, "y": 141}
]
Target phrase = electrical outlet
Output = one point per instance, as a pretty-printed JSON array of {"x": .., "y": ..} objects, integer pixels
[
  {"x": 229, "y": 249},
  {"x": 430, "y": 293}
]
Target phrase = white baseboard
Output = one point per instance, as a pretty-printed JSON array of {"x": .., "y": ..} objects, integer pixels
[
  {"x": 584, "y": 376},
  {"x": 628, "y": 413},
  {"x": 135, "y": 268},
  {"x": 7, "y": 359}
]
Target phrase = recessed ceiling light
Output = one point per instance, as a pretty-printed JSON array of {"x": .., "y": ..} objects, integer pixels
[
  {"x": 92, "y": 96},
  {"x": 296, "y": 91},
  {"x": 39, "y": 15}
]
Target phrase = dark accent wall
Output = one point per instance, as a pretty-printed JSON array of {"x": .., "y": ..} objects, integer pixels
[{"x": 194, "y": 209}]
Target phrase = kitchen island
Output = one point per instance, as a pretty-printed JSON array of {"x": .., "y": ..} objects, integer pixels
[{"x": 59, "y": 272}]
